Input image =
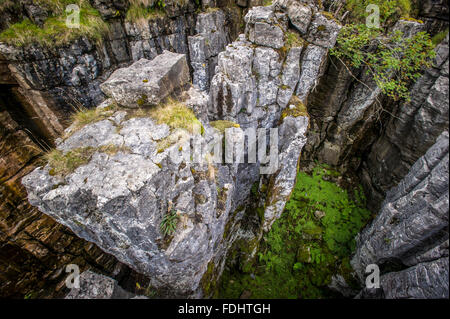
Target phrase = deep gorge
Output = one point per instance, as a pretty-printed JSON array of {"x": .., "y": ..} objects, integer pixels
[{"x": 355, "y": 185}]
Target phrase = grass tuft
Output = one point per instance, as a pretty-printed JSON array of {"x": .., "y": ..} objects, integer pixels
[
  {"x": 64, "y": 164},
  {"x": 87, "y": 116},
  {"x": 176, "y": 115},
  {"x": 141, "y": 11},
  {"x": 55, "y": 32},
  {"x": 438, "y": 38}
]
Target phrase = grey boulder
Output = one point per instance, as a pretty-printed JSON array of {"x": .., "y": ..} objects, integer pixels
[{"x": 147, "y": 82}]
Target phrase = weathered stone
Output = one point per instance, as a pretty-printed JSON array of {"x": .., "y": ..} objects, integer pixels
[
  {"x": 290, "y": 76},
  {"x": 312, "y": 64},
  {"x": 37, "y": 13},
  {"x": 410, "y": 229},
  {"x": 300, "y": 16},
  {"x": 110, "y": 9},
  {"x": 291, "y": 141},
  {"x": 204, "y": 47},
  {"x": 147, "y": 82},
  {"x": 264, "y": 28},
  {"x": 323, "y": 31}
]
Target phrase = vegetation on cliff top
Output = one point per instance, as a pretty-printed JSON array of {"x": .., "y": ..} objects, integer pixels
[
  {"x": 390, "y": 10},
  {"x": 55, "y": 31},
  {"x": 176, "y": 115},
  {"x": 64, "y": 163},
  {"x": 393, "y": 61},
  {"x": 307, "y": 245},
  {"x": 140, "y": 11}
]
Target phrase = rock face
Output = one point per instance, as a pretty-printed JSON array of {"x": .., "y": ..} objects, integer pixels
[
  {"x": 147, "y": 82},
  {"x": 52, "y": 82},
  {"x": 71, "y": 75},
  {"x": 118, "y": 200},
  {"x": 256, "y": 83},
  {"x": 347, "y": 133},
  {"x": 412, "y": 130},
  {"x": 204, "y": 47},
  {"x": 34, "y": 248},
  {"x": 411, "y": 232}
]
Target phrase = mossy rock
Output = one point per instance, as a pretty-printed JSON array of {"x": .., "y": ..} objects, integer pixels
[
  {"x": 295, "y": 108},
  {"x": 222, "y": 125}
]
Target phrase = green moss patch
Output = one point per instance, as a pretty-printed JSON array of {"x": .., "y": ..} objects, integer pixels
[
  {"x": 299, "y": 109},
  {"x": 293, "y": 39},
  {"x": 438, "y": 38},
  {"x": 302, "y": 251},
  {"x": 222, "y": 125}
]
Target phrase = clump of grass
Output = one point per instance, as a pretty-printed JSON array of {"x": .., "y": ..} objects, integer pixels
[
  {"x": 293, "y": 39},
  {"x": 112, "y": 149},
  {"x": 222, "y": 125},
  {"x": 438, "y": 38},
  {"x": 176, "y": 115},
  {"x": 87, "y": 116},
  {"x": 65, "y": 163},
  {"x": 55, "y": 32},
  {"x": 141, "y": 11},
  {"x": 329, "y": 16},
  {"x": 169, "y": 223},
  {"x": 180, "y": 136}
]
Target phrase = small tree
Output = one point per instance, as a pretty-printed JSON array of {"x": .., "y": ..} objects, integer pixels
[{"x": 394, "y": 61}]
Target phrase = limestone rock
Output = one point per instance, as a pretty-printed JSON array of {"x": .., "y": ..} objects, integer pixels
[
  {"x": 323, "y": 31},
  {"x": 205, "y": 46},
  {"x": 300, "y": 16},
  {"x": 311, "y": 70},
  {"x": 147, "y": 82},
  {"x": 264, "y": 28},
  {"x": 410, "y": 230}
]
